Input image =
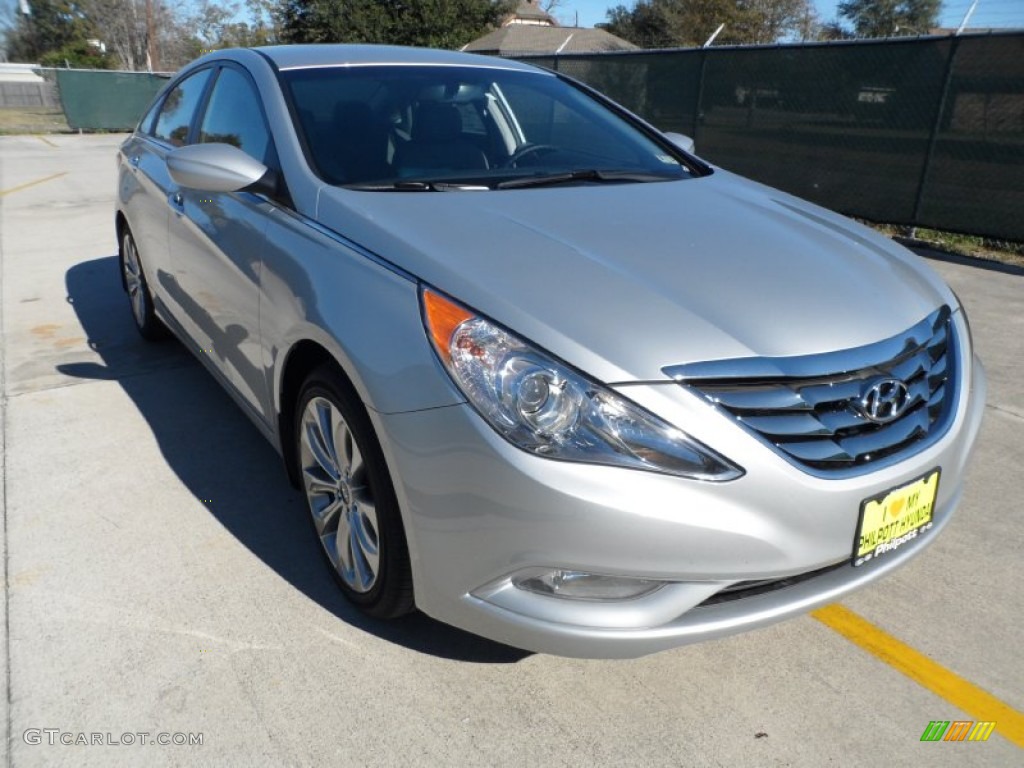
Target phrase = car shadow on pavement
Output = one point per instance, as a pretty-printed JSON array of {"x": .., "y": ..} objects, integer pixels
[{"x": 221, "y": 457}]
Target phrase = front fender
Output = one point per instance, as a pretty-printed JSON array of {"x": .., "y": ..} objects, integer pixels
[{"x": 317, "y": 287}]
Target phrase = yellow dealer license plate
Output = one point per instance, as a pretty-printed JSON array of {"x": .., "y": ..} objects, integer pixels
[{"x": 895, "y": 518}]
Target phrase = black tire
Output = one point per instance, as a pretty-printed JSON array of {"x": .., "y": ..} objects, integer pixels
[
  {"x": 357, "y": 510},
  {"x": 140, "y": 300}
]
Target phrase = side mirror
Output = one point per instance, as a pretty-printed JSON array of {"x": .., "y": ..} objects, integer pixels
[
  {"x": 214, "y": 167},
  {"x": 685, "y": 143}
]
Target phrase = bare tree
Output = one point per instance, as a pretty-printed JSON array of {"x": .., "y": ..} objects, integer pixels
[
  {"x": 210, "y": 19},
  {"x": 177, "y": 41},
  {"x": 263, "y": 27},
  {"x": 808, "y": 26},
  {"x": 143, "y": 34},
  {"x": 122, "y": 25},
  {"x": 766, "y": 21},
  {"x": 154, "y": 35}
]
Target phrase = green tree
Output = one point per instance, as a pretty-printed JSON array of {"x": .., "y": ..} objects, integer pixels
[
  {"x": 889, "y": 18},
  {"x": 79, "y": 54},
  {"x": 669, "y": 23},
  {"x": 54, "y": 25},
  {"x": 431, "y": 23},
  {"x": 649, "y": 24}
]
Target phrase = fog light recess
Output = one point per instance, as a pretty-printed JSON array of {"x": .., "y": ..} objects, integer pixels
[{"x": 580, "y": 585}]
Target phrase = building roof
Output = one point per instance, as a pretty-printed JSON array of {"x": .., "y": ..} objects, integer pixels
[
  {"x": 19, "y": 73},
  {"x": 530, "y": 12},
  {"x": 517, "y": 39}
]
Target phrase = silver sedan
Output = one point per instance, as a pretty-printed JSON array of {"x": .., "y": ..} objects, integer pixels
[{"x": 541, "y": 371}]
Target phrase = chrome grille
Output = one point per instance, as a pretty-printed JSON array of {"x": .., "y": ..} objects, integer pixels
[{"x": 806, "y": 407}]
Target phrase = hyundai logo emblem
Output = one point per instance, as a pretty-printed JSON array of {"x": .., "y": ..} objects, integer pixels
[{"x": 883, "y": 400}]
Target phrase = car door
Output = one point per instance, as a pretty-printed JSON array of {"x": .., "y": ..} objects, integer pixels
[
  {"x": 216, "y": 243},
  {"x": 146, "y": 184}
]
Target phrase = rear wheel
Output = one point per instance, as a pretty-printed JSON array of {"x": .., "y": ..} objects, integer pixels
[
  {"x": 350, "y": 497},
  {"x": 139, "y": 297}
]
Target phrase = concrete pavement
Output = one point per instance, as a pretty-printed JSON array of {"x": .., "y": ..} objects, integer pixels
[{"x": 161, "y": 577}]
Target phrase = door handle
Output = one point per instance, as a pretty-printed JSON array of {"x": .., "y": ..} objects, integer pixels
[{"x": 178, "y": 201}]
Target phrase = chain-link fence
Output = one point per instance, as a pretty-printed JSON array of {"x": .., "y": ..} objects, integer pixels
[{"x": 924, "y": 132}]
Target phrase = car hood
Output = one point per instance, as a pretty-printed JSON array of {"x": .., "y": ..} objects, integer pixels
[{"x": 622, "y": 280}]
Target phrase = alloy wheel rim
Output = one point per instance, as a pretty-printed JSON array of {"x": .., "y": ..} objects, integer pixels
[
  {"x": 334, "y": 474},
  {"x": 133, "y": 280}
]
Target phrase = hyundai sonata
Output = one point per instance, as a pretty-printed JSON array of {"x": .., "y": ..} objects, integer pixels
[{"x": 539, "y": 370}]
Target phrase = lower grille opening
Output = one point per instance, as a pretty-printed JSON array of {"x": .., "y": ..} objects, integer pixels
[{"x": 743, "y": 589}]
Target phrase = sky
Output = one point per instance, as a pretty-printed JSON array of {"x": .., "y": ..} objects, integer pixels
[{"x": 989, "y": 13}]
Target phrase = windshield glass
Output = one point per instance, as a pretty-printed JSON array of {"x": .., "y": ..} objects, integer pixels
[{"x": 382, "y": 127}]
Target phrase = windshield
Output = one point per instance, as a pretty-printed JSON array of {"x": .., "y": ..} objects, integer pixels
[{"x": 434, "y": 127}]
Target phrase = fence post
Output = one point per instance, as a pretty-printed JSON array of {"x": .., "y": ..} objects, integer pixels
[{"x": 933, "y": 137}]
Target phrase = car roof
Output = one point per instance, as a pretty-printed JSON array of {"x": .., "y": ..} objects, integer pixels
[{"x": 327, "y": 55}]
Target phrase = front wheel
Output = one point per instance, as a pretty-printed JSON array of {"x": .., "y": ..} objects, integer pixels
[{"x": 350, "y": 497}]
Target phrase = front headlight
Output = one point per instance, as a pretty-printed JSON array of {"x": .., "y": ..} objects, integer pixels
[{"x": 543, "y": 406}]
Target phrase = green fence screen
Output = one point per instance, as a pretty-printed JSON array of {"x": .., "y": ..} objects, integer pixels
[
  {"x": 109, "y": 101},
  {"x": 925, "y": 131}
]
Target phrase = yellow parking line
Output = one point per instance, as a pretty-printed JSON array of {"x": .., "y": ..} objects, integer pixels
[
  {"x": 47, "y": 142},
  {"x": 964, "y": 695},
  {"x": 31, "y": 184}
]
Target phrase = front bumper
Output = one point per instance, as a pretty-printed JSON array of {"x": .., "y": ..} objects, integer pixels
[{"x": 477, "y": 510}]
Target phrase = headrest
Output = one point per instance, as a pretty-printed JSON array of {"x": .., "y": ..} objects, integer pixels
[
  {"x": 436, "y": 122},
  {"x": 352, "y": 113}
]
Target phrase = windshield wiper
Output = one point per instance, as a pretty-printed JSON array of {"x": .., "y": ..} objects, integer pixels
[
  {"x": 418, "y": 186},
  {"x": 589, "y": 174},
  {"x": 540, "y": 180},
  {"x": 395, "y": 186}
]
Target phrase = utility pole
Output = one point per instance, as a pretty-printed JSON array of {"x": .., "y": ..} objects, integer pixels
[
  {"x": 26, "y": 11},
  {"x": 152, "y": 51}
]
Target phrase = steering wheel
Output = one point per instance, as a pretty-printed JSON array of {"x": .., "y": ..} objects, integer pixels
[{"x": 526, "y": 150}]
